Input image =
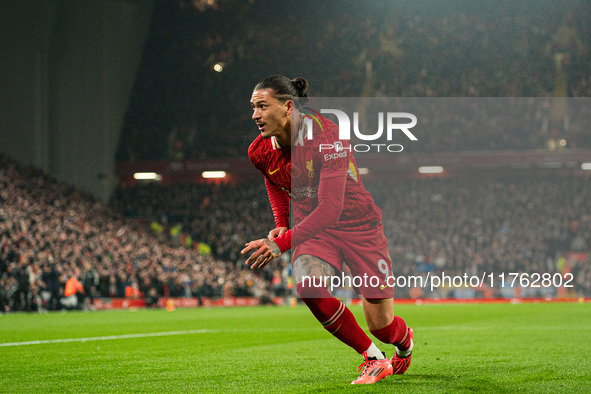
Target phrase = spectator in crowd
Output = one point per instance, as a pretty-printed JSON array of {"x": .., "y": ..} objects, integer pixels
[{"x": 73, "y": 291}]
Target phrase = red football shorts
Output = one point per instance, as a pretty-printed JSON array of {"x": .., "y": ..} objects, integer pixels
[{"x": 365, "y": 252}]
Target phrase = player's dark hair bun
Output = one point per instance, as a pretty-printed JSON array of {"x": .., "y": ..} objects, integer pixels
[
  {"x": 286, "y": 89},
  {"x": 301, "y": 85}
]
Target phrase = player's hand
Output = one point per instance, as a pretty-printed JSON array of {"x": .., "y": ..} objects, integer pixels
[
  {"x": 276, "y": 232},
  {"x": 265, "y": 251}
]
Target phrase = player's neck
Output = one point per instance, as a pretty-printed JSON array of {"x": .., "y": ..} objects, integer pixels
[
  {"x": 283, "y": 140},
  {"x": 294, "y": 127},
  {"x": 290, "y": 131}
]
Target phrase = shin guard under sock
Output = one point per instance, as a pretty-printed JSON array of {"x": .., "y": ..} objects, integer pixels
[
  {"x": 395, "y": 333},
  {"x": 335, "y": 317}
]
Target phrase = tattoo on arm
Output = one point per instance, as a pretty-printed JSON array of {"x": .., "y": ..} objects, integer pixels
[{"x": 273, "y": 247}]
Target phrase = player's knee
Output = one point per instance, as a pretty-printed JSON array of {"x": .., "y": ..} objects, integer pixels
[{"x": 309, "y": 291}]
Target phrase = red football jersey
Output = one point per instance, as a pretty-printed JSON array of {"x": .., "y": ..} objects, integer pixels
[{"x": 324, "y": 185}]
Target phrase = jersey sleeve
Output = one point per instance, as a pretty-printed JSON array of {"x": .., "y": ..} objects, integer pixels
[
  {"x": 279, "y": 204},
  {"x": 331, "y": 192}
]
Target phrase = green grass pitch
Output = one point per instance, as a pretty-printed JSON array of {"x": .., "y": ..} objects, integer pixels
[{"x": 458, "y": 348}]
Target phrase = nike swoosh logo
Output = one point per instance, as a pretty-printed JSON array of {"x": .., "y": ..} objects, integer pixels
[
  {"x": 272, "y": 172},
  {"x": 382, "y": 287}
]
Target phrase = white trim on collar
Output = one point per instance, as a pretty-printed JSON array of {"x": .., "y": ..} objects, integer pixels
[{"x": 299, "y": 139}]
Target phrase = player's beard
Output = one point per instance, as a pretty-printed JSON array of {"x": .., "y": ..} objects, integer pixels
[{"x": 267, "y": 132}]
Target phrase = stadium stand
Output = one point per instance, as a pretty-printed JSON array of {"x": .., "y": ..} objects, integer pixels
[
  {"x": 183, "y": 240},
  {"x": 49, "y": 232},
  {"x": 518, "y": 50}
]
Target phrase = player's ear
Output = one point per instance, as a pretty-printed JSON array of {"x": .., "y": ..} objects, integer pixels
[{"x": 288, "y": 107}]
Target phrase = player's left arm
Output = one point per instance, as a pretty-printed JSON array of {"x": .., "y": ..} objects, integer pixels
[
  {"x": 331, "y": 196},
  {"x": 334, "y": 165},
  {"x": 277, "y": 232}
]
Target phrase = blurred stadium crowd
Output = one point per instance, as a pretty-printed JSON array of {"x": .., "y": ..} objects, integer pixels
[
  {"x": 49, "y": 233},
  {"x": 391, "y": 49},
  {"x": 499, "y": 224}
]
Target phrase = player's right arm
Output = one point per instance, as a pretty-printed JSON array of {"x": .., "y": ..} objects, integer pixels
[
  {"x": 280, "y": 205},
  {"x": 265, "y": 250}
]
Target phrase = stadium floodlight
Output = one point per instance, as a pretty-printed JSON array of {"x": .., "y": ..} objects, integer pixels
[
  {"x": 363, "y": 171},
  {"x": 213, "y": 174},
  {"x": 431, "y": 170},
  {"x": 586, "y": 166},
  {"x": 152, "y": 176}
]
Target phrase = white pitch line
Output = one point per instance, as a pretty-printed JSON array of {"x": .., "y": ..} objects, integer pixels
[
  {"x": 106, "y": 338},
  {"x": 145, "y": 335},
  {"x": 269, "y": 330}
]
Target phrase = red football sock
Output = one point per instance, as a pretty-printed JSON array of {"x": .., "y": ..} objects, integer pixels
[
  {"x": 335, "y": 317},
  {"x": 395, "y": 333}
]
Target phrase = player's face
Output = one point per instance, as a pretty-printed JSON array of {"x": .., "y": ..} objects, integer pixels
[{"x": 271, "y": 116}]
